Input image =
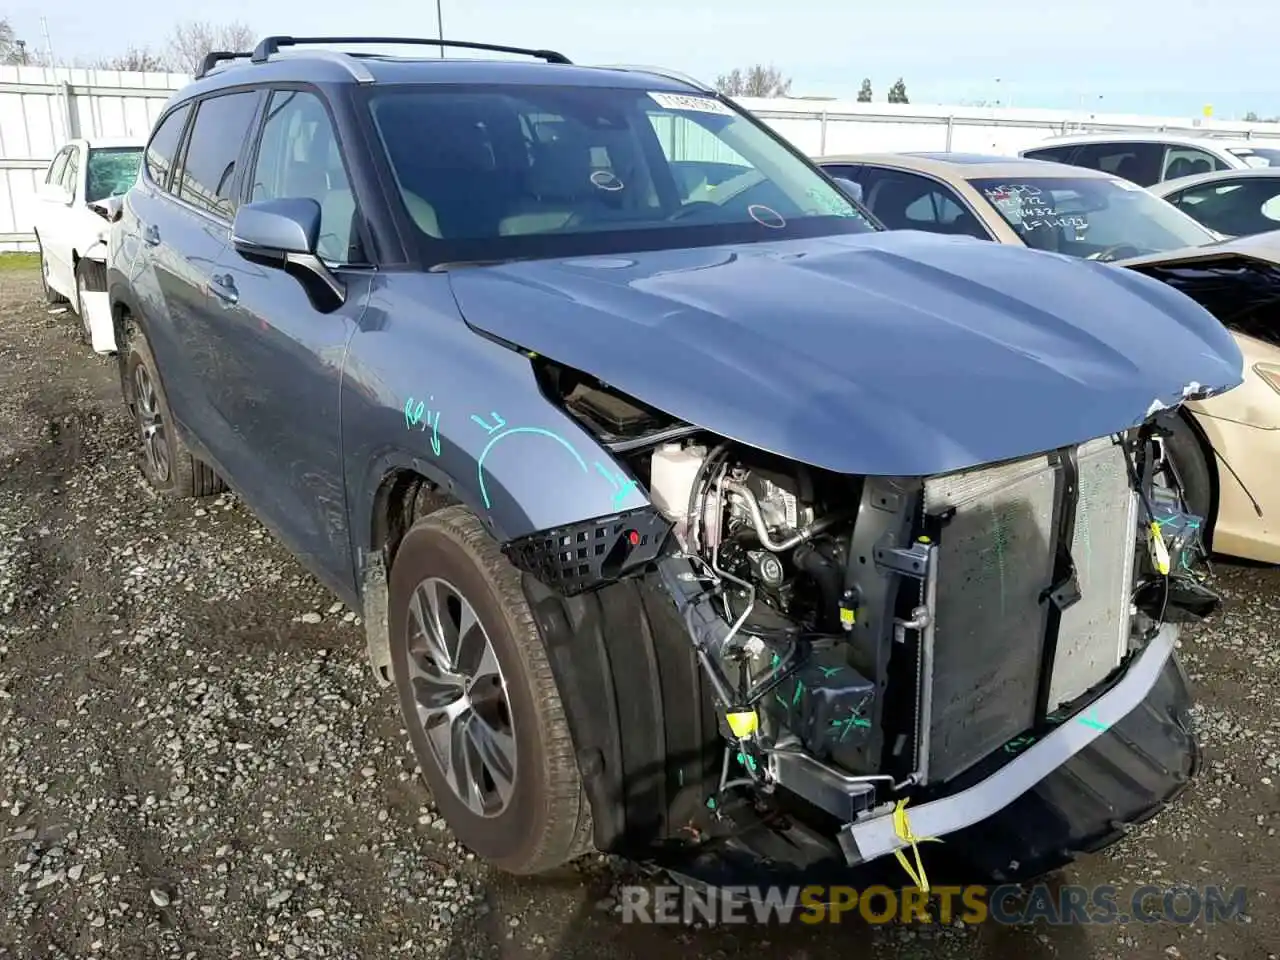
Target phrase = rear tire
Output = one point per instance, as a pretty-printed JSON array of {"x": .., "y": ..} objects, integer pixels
[
  {"x": 168, "y": 465},
  {"x": 521, "y": 807}
]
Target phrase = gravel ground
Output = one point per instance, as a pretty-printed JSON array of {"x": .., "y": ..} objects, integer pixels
[{"x": 194, "y": 762}]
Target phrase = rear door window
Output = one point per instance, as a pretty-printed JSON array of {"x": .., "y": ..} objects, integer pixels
[
  {"x": 207, "y": 179},
  {"x": 164, "y": 145},
  {"x": 1137, "y": 162}
]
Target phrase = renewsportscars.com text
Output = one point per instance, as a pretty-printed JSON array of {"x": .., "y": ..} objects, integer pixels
[{"x": 1010, "y": 904}]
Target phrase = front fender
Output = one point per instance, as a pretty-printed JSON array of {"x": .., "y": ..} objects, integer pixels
[{"x": 422, "y": 391}]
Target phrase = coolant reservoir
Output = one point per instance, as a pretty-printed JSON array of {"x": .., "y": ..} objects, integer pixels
[{"x": 673, "y": 470}]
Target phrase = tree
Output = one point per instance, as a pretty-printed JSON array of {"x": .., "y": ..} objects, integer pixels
[
  {"x": 12, "y": 50},
  {"x": 755, "y": 81},
  {"x": 191, "y": 41},
  {"x": 864, "y": 94},
  {"x": 898, "y": 92},
  {"x": 1250, "y": 117},
  {"x": 141, "y": 59}
]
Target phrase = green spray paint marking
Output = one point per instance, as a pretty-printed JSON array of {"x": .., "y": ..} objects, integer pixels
[
  {"x": 1017, "y": 743},
  {"x": 993, "y": 555},
  {"x": 848, "y": 723},
  {"x": 799, "y": 691},
  {"x": 746, "y": 761},
  {"x": 1091, "y": 721},
  {"x": 829, "y": 672},
  {"x": 418, "y": 415}
]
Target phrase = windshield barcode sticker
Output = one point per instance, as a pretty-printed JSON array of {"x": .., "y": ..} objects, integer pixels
[{"x": 680, "y": 101}]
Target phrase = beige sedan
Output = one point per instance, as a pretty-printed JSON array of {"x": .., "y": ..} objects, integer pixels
[{"x": 1228, "y": 451}]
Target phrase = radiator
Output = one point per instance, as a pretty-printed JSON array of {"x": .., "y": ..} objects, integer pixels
[{"x": 995, "y": 558}]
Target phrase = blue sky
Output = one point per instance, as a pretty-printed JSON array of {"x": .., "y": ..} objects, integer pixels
[{"x": 1150, "y": 56}]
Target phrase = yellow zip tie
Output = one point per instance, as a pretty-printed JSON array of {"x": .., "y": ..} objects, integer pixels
[
  {"x": 1161, "y": 551},
  {"x": 902, "y": 827}
]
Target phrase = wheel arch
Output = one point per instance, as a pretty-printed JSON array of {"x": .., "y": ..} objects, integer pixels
[
  {"x": 1211, "y": 463},
  {"x": 127, "y": 321}
]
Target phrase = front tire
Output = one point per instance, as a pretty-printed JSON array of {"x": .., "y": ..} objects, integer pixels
[
  {"x": 83, "y": 268},
  {"x": 479, "y": 699},
  {"x": 168, "y": 465},
  {"x": 1193, "y": 468}
]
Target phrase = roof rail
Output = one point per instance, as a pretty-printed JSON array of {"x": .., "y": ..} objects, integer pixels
[
  {"x": 271, "y": 45},
  {"x": 661, "y": 72},
  {"x": 216, "y": 57}
]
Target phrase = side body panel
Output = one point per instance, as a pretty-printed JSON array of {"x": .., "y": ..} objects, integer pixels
[
  {"x": 278, "y": 363},
  {"x": 1243, "y": 428},
  {"x": 423, "y": 391}
]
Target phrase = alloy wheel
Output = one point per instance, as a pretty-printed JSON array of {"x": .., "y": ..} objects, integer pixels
[
  {"x": 155, "y": 445},
  {"x": 461, "y": 697}
]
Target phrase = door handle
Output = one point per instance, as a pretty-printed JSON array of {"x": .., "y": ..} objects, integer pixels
[
  {"x": 223, "y": 285},
  {"x": 151, "y": 235}
]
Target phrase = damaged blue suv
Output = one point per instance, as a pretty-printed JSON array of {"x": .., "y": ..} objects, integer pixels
[{"x": 693, "y": 517}]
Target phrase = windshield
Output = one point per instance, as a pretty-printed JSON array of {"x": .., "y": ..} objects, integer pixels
[
  {"x": 1257, "y": 156},
  {"x": 498, "y": 172},
  {"x": 111, "y": 172},
  {"x": 1098, "y": 218}
]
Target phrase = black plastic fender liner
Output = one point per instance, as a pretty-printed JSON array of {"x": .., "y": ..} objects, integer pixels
[{"x": 645, "y": 735}]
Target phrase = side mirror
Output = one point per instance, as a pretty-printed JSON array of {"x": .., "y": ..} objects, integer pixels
[
  {"x": 109, "y": 208},
  {"x": 277, "y": 228},
  {"x": 284, "y": 233},
  {"x": 851, "y": 189}
]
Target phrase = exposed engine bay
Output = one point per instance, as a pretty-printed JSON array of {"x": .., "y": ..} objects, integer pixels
[
  {"x": 873, "y": 635},
  {"x": 874, "y": 640}
]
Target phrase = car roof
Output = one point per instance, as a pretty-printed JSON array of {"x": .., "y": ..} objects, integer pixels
[
  {"x": 1198, "y": 179},
  {"x": 320, "y": 65},
  {"x": 1139, "y": 136},
  {"x": 1132, "y": 135},
  {"x": 966, "y": 166}
]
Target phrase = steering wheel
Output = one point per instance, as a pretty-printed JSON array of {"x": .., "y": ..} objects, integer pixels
[
  {"x": 689, "y": 209},
  {"x": 1114, "y": 251}
]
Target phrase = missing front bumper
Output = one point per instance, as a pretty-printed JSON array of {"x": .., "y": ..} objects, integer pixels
[{"x": 1118, "y": 762}]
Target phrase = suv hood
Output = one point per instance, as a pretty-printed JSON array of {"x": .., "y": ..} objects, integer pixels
[{"x": 896, "y": 353}]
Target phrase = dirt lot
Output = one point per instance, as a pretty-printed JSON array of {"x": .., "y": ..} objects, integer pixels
[{"x": 194, "y": 762}]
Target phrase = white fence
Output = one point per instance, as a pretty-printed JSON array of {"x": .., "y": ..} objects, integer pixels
[
  {"x": 843, "y": 126},
  {"x": 40, "y": 108}
]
